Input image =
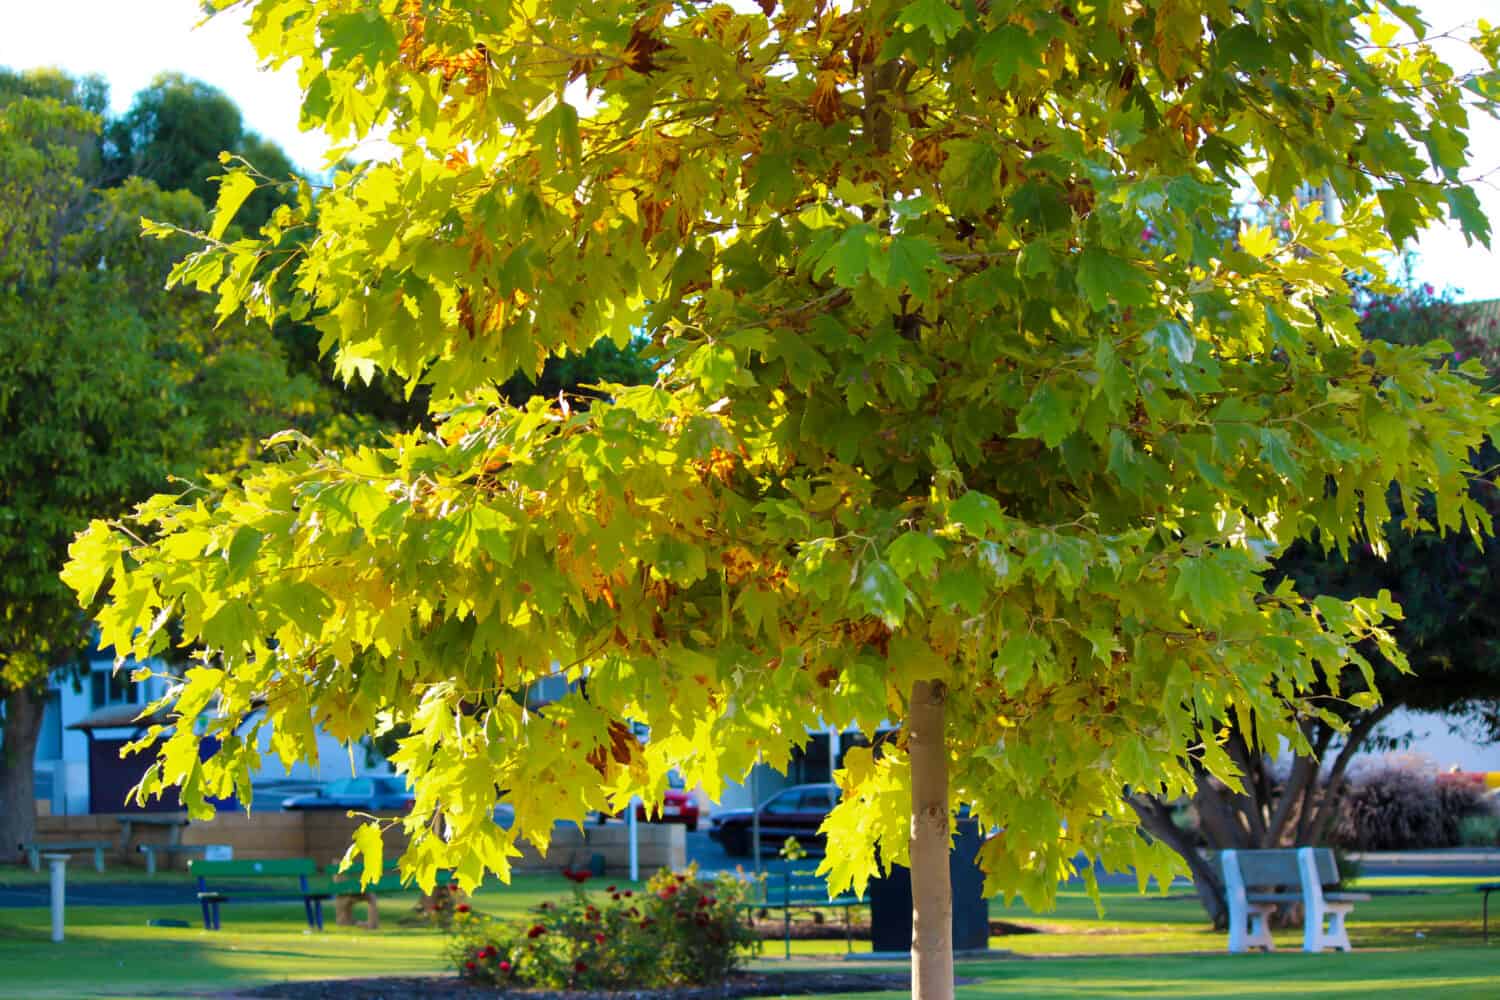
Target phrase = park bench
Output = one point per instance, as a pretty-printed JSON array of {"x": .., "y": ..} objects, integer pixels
[
  {"x": 260, "y": 871},
  {"x": 152, "y": 850},
  {"x": 1257, "y": 882},
  {"x": 34, "y": 851},
  {"x": 792, "y": 890}
]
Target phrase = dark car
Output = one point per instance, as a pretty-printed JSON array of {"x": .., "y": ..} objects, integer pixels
[
  {"x": 372, "y": 794},
  {"x": 797, "y": 811}
]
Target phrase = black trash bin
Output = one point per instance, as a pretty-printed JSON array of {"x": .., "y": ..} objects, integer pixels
[{"x": 890, "y": 899}]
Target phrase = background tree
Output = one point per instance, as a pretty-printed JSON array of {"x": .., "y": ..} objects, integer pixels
[
  {"x": 1445, "y": 585},
  {"x": 936, "y": 436},
  {"x": 108, "y": 383}
]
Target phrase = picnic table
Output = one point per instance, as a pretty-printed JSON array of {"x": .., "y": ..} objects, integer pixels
[
  {"x": 34, "y": 851},
  {"x": 173, "y": 823}
]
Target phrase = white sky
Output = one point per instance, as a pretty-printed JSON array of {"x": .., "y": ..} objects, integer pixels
[{"x": 130, "y": 41}]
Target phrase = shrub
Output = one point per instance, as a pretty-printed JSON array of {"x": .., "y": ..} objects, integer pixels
[
  {"x": 1479, "y": 831},
  {"x": 678, "y": 931},
  {"x": 1396, "y": 808}
]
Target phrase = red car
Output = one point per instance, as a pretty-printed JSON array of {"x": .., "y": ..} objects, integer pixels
[{"x": 677, "y": 806}]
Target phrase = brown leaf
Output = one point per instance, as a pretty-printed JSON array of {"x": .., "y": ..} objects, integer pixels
[{"x": 641, "y": 48}]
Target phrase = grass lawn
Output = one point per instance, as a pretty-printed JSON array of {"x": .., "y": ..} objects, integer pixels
[{"x": 1409, "y": 945}]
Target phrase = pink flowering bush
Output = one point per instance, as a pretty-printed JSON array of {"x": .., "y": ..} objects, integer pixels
[{"x": 679, "y": 930}]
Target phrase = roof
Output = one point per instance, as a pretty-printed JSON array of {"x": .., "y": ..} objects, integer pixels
[{"x": 118, "y": 717}]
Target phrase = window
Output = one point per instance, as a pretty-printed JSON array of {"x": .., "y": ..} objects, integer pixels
[
  {"x": 783, "y": 804},
  {"x": 816, "y": 800},
  {"x": 111, "y": 687}
]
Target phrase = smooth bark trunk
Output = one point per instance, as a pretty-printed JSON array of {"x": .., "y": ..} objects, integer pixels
[
  {"x": 22, "y": 727},
  {"x": 931, "y": 884},
  {"x": 1156, "y": 818}
]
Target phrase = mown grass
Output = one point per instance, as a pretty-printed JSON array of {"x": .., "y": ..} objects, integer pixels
[{"x": 1423, "y": 945}]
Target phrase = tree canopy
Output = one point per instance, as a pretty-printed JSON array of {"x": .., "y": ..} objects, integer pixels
[
  {"x": 966, "y": 403},
  {"x": 108, "y": 383}
]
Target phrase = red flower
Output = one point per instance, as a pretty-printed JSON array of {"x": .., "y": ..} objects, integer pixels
[
  {"x": 579, "y": 967},
  {"x": 599, "y": 938},
  {"x": 469, "y": 966},
  {"x": 537, "y": 930},
  {"x": 627, "y": 894},
  {"x": 668, "y": 892},
  {"x": 609, "y": 888},
  {"x": 580, "y": 876},
  {"x": 504, "y": 966},
  {"x": 463, "y": 907}
]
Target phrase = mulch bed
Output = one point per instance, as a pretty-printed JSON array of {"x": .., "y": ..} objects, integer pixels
[{"x": 453, "y": 988}]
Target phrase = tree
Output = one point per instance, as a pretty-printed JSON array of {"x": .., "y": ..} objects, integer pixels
[
  {"x": 174, "y": 133},
  {"x": 107, "y": 384},
  {"x": 1444, "y": 585},
  {"x": 936, "y": 436}
]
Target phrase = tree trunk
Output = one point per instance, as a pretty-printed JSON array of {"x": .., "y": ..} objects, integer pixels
[
  {"x": 931, "y": 885},
  {"x": 1156, "y": 818},
  {"x": 22, "y": 726}
]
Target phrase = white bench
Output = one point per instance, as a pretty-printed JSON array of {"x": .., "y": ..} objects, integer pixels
[{"x": 1257, "y": 882}]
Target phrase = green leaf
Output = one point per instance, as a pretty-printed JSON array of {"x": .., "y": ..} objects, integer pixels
[
  {"x": 91, "y": 557},
  {"x": 1103, "y": 277},
  {"x": 914, "y": 553},
  {"x": 909, "y": 260},
  {"x": 940, "y": 20},
  {"x": 977, "y": 513},
  {"x": 234, "y": 188},
  {"x": 1464, "y": 207},
  {"x": 851, "y": 257},
  {"x": 1207, "y": 585},
  {"x": 1007, "y": 50},
  {"x": 881, "y": 592},
  {"x": 1050, "y": 415},
  {"x": 242, "y": 550}
]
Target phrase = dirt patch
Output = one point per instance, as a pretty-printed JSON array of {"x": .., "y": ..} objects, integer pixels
[{"x": 453, "y": 988}]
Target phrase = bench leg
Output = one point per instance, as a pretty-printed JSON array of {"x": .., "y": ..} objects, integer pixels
[
  {"x": 34, "y": 859},
  {"x": 786, "y": 919},
  {"x": 99, "y": 860},
  {"x": 1250, "y": 928},
  {"x": 150, "y": 862},
  {"x": 1316, "y": 938}
]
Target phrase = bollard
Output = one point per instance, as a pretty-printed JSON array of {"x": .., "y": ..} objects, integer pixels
[
  {"x": 634, "y": 837},
  {"x": 58, "y": 864}
]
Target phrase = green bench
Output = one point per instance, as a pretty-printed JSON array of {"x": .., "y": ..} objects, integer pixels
[
  {"x": 210, "y": 898},
  {"x": 791, "y": 890}
]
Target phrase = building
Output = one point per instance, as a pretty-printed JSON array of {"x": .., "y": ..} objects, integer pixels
[{"x": 90, "y": 714}]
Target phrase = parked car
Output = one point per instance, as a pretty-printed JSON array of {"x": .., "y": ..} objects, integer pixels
[
  {"x": 372, "y": 794},
  {"x": 797, "y": 811},
  {"x": 677, "y": 806}
]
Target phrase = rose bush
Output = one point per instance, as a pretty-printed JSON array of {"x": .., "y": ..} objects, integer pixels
[{"x": 679, "y": 930}]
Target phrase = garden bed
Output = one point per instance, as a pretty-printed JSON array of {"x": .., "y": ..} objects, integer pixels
[{"x": 453, "y": 988}]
